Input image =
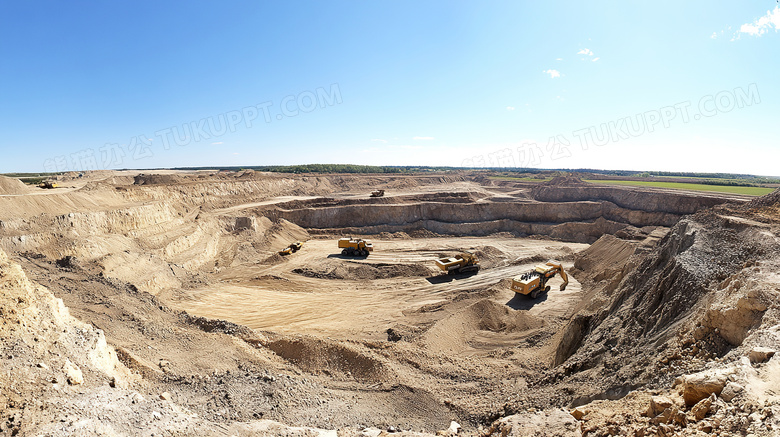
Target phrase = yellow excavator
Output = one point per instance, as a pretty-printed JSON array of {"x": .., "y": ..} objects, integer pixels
[
  {"x": 464, "y": 262},
  {"x": 293, "y": 247},
  {"x": 355, "y": 247},
  {"x": 533, "y": 283}
]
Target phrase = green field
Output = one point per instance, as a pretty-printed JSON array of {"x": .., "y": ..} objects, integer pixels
[
  {"x": 510, "y": 178},
  {"x": 748, "y": 191}
]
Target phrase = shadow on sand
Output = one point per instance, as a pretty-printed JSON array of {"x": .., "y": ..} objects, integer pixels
[
  {"x": 340, "y": 256},
  {"x": 441, "y": 279},
  {"x": 523, "y": 302}
]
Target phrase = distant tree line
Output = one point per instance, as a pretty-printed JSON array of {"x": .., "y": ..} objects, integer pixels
[{"x": 328, "y": 168}]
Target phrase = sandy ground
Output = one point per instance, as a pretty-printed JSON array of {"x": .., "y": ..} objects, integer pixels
[{"x": 276, "y": 299}]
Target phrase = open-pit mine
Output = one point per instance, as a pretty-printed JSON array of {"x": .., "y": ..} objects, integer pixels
[{"x": 158, "y": 303}]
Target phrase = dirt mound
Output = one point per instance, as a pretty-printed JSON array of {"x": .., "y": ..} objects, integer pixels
[
  {"x": 274, "y": 260},
  {"x": 495, "y": 317},
  {"x": 770, "y": 199},
  {"x": 12, "y": 186},
  {"x": 765, "y": 208},
  {"x": 529, "y": 259},
  {"x": 565, "y": 180},
  {"x": 489, "y": 256},
  {"x": 338, "y": 360},
  {"x": 422, "y": 233},
  {"x": 360, "y": 271},
  {"x": 281, "y": 233},
  {"x": 158, "y": 179},
  {"x": 461, "y": 329},
  {"x": 394, "y": 235}
]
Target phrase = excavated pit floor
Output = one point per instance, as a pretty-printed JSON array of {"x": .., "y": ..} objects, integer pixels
[{"x": 277, "y": 298}]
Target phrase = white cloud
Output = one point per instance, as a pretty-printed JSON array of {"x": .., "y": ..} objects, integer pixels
[
  {"x": 763, "y": 24},
  {"x": 423, "y": 138},
  {"x": 586, "y": 52},
  {"x": 219, "y": 142},
  {"x": 559, "y": 59},
  {"x": 596, "y": 59},
  {"x": 378, "y": 140},
  {"x": 235, "y": 153},
  {"x": 553, "y": 73},
  {"x": 510, "y": 108},
  {"x": 714, "y": 35}
]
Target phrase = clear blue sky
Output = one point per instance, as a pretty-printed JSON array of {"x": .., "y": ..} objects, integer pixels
[{"x": 112, "y": 84}]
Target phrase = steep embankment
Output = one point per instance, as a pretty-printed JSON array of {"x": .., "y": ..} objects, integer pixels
[
  {"x": 581, "y": 222},
  {"x": 565, "y": 208},
  {"x": 670, "y": 202},
  {"x": 712, "y": 281}
]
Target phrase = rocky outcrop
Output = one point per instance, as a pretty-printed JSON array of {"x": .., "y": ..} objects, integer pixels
[
  {"x": 546, "y": 423},
  {"x": 701, "y": 274}
]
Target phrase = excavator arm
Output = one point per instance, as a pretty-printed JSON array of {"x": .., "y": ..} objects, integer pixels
[
  {"x": 565, "y": 278},
  {"x": 563, "y": 274}
]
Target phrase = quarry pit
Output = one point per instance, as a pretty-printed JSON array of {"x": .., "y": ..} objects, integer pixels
[{"x": 174, "y": 279}]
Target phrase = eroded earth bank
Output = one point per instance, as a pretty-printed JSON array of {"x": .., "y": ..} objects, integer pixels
[{"x": 157, "y": 304}]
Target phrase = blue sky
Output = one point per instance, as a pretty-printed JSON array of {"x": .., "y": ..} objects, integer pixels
[{"x": 94, "y": 85}]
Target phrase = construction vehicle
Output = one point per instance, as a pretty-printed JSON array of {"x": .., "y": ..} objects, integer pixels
[
  {"x": 48, "y": 185},
  {"x": 355, "y": 246},
  {"x": 293, "y": 247},
  {"x": 464, "y": 262},
  {"x": 533, "y": 283},
  {"x": 378, "y": 193}
]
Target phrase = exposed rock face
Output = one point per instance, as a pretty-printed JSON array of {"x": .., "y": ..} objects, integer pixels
[
  {"x": 731, "y": 390},
  {"x": 565, "y": 208},
  {"x": 632, "y": 199},
  {"x": 735, "y": 314},
  {"x": 701, "y": 408},
  {"x": 671, "y": 287},
  {"x": 33, "y": 316},
  {"x": 657, "y": 405},
  {"x": 701, "y": 385},
  {"x": 547, "y": 423},
  {"x": 575, "y": 221}
]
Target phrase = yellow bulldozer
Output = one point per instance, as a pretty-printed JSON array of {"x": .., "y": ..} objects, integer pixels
[
  {"x": 464, "y": 262},
  {"x": 533, "y": 283},
  {"x": 355, "y": 247},
  {"x": 293, "y": 247},
  {"x": 377, "y": 193}
]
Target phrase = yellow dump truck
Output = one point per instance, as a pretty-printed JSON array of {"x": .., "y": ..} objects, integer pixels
[
  {"x": 464, "y": 262},
  {"x": 48, "y": 185},
  {"x": 293, "y": 247},
  {"x": 355, "y": 247},
  {"x": 533, "y": 283}
]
